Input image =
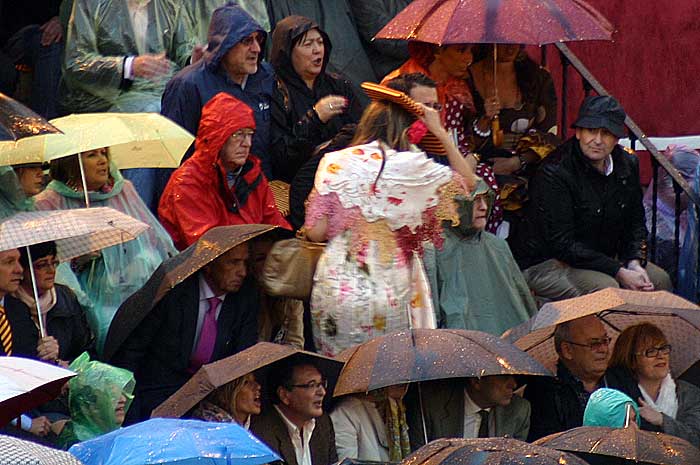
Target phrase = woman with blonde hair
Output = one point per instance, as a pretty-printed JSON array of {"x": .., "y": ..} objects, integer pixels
[
  {"x": 234, "y": 402},
  {"x": 640, "y": 367}
]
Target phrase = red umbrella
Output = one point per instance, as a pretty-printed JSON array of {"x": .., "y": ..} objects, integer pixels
[{"x": 534, "y": 22}]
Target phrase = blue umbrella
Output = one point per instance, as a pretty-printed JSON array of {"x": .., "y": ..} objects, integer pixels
[{"x": 174, "y": 441}]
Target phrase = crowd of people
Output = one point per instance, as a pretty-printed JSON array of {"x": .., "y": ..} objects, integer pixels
[{"x": 475, "y": 234}]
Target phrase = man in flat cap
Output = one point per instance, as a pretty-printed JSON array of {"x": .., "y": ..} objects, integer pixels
[{"x": 585, "y": 227}]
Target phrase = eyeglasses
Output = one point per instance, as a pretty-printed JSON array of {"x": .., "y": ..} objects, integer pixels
[
  {"x": 654, "y": 352},
  {"x": 46, "y": 265},
  {"x": 434, "y": 105},
  {"x": 594, "y": 345},
  {"x": 313, "y": 385},
  {"x": 243, "y": 133}
]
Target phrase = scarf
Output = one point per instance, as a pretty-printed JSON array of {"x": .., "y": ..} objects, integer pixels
[
  {"x": 393, "y": 413},
  {"x": 667, "y": 401},
  {"x": 208, "y": 411},
  {"x": 47, "y": 302}
]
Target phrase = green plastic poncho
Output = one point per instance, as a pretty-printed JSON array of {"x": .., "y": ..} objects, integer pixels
[
  {"x": 200, "y": 12},
  {"x": 475, "y": 281},
  {"x": 100, "y": 36},
  {"x": 121, "y": 269},
  {"x": 608, "y": 407},
  {"x": 92, "y": 399}
]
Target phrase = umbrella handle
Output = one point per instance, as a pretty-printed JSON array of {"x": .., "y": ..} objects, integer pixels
[
  {"x": 82, "y": 178},
  {"x": 42, "y": 329}
]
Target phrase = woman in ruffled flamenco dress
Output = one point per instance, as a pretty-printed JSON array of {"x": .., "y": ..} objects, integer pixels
[{"x": 375, "y": 203}]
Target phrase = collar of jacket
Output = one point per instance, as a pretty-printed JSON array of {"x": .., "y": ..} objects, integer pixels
[{"x": 621, "y": 166}]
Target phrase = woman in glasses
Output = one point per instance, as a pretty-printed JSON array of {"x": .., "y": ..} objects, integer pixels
[{"x": 640, "y": 367}]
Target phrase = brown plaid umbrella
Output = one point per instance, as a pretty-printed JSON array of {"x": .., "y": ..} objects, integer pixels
[
  {"x": 429, "y": 354},
  {"x": 489, "y": 451},
  {"x": 617, "y": 309},
  {"x": 14, "y": 451},
  {"x": 172, "y": 272},
  {"x": 630, "y": 445},
  {"x": 221, "y": 372}
]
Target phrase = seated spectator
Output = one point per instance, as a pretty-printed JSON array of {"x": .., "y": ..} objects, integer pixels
[
  {"x": 611, "y": 408},
  {"x": 493, "y": 299},
  {"x": 222, "y": 183},
  {"x": 372, "y": 426},
  {"x": 687, "y": 282},
  {"x": 686, "y": 161},
  {"x": 98, "y": 397},
  {"x": 296, "y": 427},
  {"x": 557, "y": 405},
  {"x": 232, "y": 64},
  {"x": 310, "y": 104},
  {"x": 585, "y": 229},
  {"x": 209, "y": 316},
  {"x": 61, "y": 313},
  {"x": 234, "y": 402},
  {"x": 475, "y": 408},
  {"x": 116, "y": 272},
  {"x": 640, "y": 367},
  {"x": 448, "y": 67}
]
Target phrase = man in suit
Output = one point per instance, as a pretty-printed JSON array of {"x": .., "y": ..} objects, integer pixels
[
  {"x": 477, "y": 407},
  {"x": 209, "y": 316},
  {"x": 295, "y": 426}
]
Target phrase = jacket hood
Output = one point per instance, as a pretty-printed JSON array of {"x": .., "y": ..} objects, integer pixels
[
  {"x": 286, "y": 31},
  {"x": 465, "y": 208},
  {"x": 229, "y": 25},
  {"x": 221, "y": 116}
]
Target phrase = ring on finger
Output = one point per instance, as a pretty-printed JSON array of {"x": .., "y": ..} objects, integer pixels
[{"x": 330, "y": 106}]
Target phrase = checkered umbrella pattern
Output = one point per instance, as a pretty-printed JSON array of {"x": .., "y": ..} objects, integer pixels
[
  {"x": 76, "y": 232},
  {"x": 14, "y": 451}
]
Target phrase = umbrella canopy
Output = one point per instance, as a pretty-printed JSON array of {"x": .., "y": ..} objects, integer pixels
[
  {"x": 535, "y": 22},
  {"x": 18, "y": 122},
  {"x": 172, "y": 272},
  {"x": 26, "y": 384},
  {"x": 136, "y": 140},
  {"x": 629, "y": 443},
  {"x": 491, "y": 451},
  {"x": 165, "y": 440},
  {"x": 617, "y": 309},
  {"x": 221, "y": 372},
  {"x": 77, "y": 232},
  {"x": 16, "y": 451},
  {"x": 430, "y": 354}
]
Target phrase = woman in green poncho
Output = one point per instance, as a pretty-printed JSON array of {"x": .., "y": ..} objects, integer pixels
[
  {"x": 474, "y": 279},
  {"x": 98, "y": 399},
  {"x": 120, "y": 270}
]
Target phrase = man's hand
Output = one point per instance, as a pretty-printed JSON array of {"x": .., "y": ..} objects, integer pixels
[
  {"x": 40, "y": 426},
  {"x": 47, "y": 349},
  {"x": 151, "y": 66},
  {"x": 51, "y": 32},
  {"x": 634, "y": 280}
]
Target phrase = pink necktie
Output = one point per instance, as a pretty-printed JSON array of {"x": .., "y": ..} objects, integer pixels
[{"x": 207, "y": 336}]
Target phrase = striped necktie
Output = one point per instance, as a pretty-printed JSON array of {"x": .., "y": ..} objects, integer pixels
[{"x": 5, "y": 332}]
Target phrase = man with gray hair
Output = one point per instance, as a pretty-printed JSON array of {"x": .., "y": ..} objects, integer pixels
[{"x": 583, "y": 347}]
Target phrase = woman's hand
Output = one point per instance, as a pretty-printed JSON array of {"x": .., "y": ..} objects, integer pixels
[
  {"x": 431, "y": 119},
  {"x": 492, "y": 106},
  {"x": 330, "y": 106},
  {"x": 649, "y": 414}
]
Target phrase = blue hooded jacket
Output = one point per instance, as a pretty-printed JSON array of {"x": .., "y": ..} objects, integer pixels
[{"x": 190, "y": 89}]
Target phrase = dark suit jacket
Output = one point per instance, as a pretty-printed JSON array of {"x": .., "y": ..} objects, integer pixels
[
  {"x": 25, "y": 336},
  {"x": 269, "y": 427},
  {"x": 158, "y": 351},
  {"x": 443, "y": 408}
]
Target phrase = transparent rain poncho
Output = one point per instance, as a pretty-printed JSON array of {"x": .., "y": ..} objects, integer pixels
[
  {"x": 201, "y": 10},
  {"x": 101, "y": 35}
]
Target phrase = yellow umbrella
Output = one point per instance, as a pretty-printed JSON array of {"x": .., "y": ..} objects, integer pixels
[{"x": 136, "y": 140}]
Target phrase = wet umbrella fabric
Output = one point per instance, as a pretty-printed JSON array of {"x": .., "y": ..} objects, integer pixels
[
  {"x": 172, "y": 272},
  {"x": 26, "y": 384},
  {"x": 491, "y": 451},
  {"x": 536, "y": 22},
  {"x": 216, "y": 374},
  {"x": 430, "y": 354},
  {"x": 181, "y": 442},
  {"x": 678, "y": 318},
  {"x": 18, "y": 121},
  {"x": 14, "y": 451},
  {"x": 631, "y": 445}
]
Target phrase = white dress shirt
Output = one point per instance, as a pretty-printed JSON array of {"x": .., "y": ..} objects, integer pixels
[
  {"x": 138, "y": 14},
  {"x": 472, "y": 419},
  {"x": 300, "y": 438}
]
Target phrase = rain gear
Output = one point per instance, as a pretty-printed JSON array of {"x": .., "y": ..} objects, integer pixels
[
  {"x": 100, "y": 36},
  {"x": 608, "y": 407},
  {"x": 188, "y": 92},
  {"x": 202, "y": 194},
  {"x": 202, "y": 10},
  {"x": 93, "y": 397},
  {"x": 121, "y": 269},
  {"x": 492, "y": 299},
  {"x": 296, "y": 127}
]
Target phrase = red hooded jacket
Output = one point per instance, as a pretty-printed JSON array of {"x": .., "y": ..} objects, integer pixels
[{"x": 198, "y": 197}]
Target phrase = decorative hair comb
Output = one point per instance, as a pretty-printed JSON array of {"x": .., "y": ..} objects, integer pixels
[{"x": 430, "y": 142}]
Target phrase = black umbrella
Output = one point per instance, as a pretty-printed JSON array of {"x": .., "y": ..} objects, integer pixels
[
  {"x": 172, "y": 272},
  {"x": 17, "y": 121}
]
